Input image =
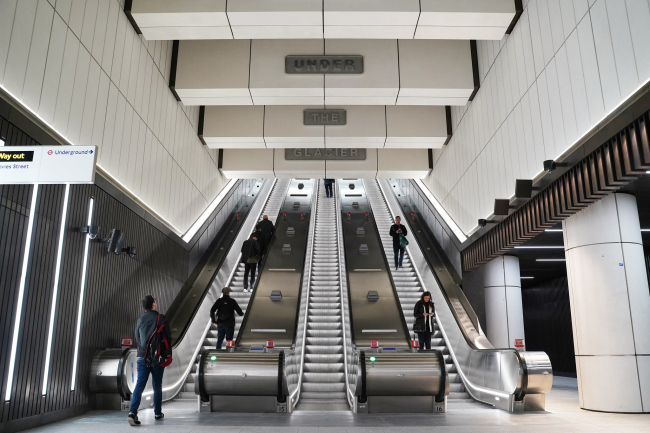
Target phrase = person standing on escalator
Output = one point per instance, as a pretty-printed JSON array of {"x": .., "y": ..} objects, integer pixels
[
  {"x": 222, "y": 314},
  {"x": 424, "y": 313},
  {"x": 398, "y": 232},
  {"x": 329, "y": 183},
  {"x": 250, "y": 257}
]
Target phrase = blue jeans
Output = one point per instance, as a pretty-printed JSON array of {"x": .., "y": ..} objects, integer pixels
[
  {"x": 399, "y": 255},
  {"x": 224, "y": 331},
  {"x": 143, "y": 378}
]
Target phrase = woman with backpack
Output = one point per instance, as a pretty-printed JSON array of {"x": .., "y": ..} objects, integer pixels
[{"x": 424, "y": 313}]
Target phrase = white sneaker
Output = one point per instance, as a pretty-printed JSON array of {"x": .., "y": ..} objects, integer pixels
[{"x": 245, "y": 290}]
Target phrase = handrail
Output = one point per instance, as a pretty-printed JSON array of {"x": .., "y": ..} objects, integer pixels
[
  {"x": 294, "y": 397},
  {"x": 341, "y": 253}
]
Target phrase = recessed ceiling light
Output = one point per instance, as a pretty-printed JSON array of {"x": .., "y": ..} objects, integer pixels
[{"x": 551, "y": 260}]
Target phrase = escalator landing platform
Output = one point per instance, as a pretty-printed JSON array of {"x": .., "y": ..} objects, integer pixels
[{"x": 563, "y": 414}]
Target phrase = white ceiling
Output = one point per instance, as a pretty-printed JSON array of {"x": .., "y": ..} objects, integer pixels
[{"x": 318, "y": 19}]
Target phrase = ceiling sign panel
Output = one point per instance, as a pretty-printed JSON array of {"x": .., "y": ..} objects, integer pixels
[
  {"x": 323, "y": 64},
  {"x": 324, "y": 117},
  {"x": 325, "y": 154}
]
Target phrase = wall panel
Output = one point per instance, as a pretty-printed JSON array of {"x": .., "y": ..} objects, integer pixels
[{"x": 577, "y": 67}]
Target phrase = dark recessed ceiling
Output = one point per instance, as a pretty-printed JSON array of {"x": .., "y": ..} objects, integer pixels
[{"x": 542, "y": 271}]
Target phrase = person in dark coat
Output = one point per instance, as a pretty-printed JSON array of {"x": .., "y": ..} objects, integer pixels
[
  {"x": 250, "y": 249},
  {"x": 222, "y": 314},
  {"x": 424, "y": 312},
  {"x": 145, "y": 327},
  {"x": 261, "y": 240},
  {"x": 267, "y": 228},
  {"x": 395, "y": 230},
  {"x": 328, "y": 187}
]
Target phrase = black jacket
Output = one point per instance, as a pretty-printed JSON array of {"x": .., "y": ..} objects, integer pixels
[
  {"x": 261, "y": 240},
  {"x": 267, "y": 230},
  {"x": 395, "y": 235},
  {"x": 418, "y": 312},
  {"x": 145, "y": 327},
  {"x": 249, "y": 248},
  {"x": 226, "y": 307}
]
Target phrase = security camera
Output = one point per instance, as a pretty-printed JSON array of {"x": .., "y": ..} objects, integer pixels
[
  {"x": 301, "y": 185},
  {"x": 549, "y": 165},
  {"x": 351, "y": 186},
  {"x": 130, "y": 251},
  {"x": 115, "y": 241},
  {"x": 482, "y": 223},
  {"x": 90, "y": 230}
]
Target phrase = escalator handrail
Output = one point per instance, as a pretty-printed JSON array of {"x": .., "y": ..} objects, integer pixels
[
  {"x": 341, "y": 257},
  {"x": 308, "y": 262},
  {"x": 471, "y": 387}
]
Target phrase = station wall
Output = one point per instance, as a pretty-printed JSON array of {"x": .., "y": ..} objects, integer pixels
[
  {"x": 81, "y": 67},
  {"x": 564, "y": 67}
]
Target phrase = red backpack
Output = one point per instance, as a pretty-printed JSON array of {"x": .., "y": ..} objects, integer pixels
[{"x": 159, "y": 352}]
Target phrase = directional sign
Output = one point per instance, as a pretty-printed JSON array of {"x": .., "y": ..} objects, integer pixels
[{"x": 47, "y": 164}]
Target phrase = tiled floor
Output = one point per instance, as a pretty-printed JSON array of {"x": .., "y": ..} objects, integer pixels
[{"x": 562, "y": 415}]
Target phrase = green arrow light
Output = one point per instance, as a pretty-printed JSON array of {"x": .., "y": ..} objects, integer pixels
[
  {"x": 213, "y": 358},
  {"x": 373, "y": 359}
]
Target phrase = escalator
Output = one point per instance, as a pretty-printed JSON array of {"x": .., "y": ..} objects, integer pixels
[
  {"x": 323, "y": 380},
  {"x": 408, "y": 286},
  {"x": 503, "y": 378},
  {"x": 236, "y": 284},
  {"x": 113, "y": 375}
]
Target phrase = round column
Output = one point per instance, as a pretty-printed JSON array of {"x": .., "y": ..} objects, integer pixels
[
  {"x": 503, "y": 308},
  {"x": 610, "y": 305}
]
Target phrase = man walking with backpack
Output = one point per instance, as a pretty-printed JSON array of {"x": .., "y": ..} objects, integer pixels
[
  {"x": 222, "y": 314},
  {"x": 153, "y": 339}
]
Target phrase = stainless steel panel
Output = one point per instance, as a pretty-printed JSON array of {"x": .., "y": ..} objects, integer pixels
[
  {"x": 252, "y": 374},
  {"x": 407, "y": 374}
]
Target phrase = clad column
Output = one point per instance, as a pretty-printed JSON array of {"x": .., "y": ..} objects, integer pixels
[
  {"x": 503, "y": 309},
  {"x": 610, "y": 305}
]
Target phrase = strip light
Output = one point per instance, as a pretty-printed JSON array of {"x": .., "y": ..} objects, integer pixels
[
  {"x": 550, "y": 247},
  {"x": 189, "y": 234},
  {"x": 55, "y": 291},
  {"x": 645, "y": 230},
  {"x": 441, "y": 210},
  {"x": 81, "y": 298},
  {"x": 554, "y": 230},
  {"x": 526, "y": 278},
  {"x": 551, "y": 260},
  {"x": 21, "y": 294}
]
